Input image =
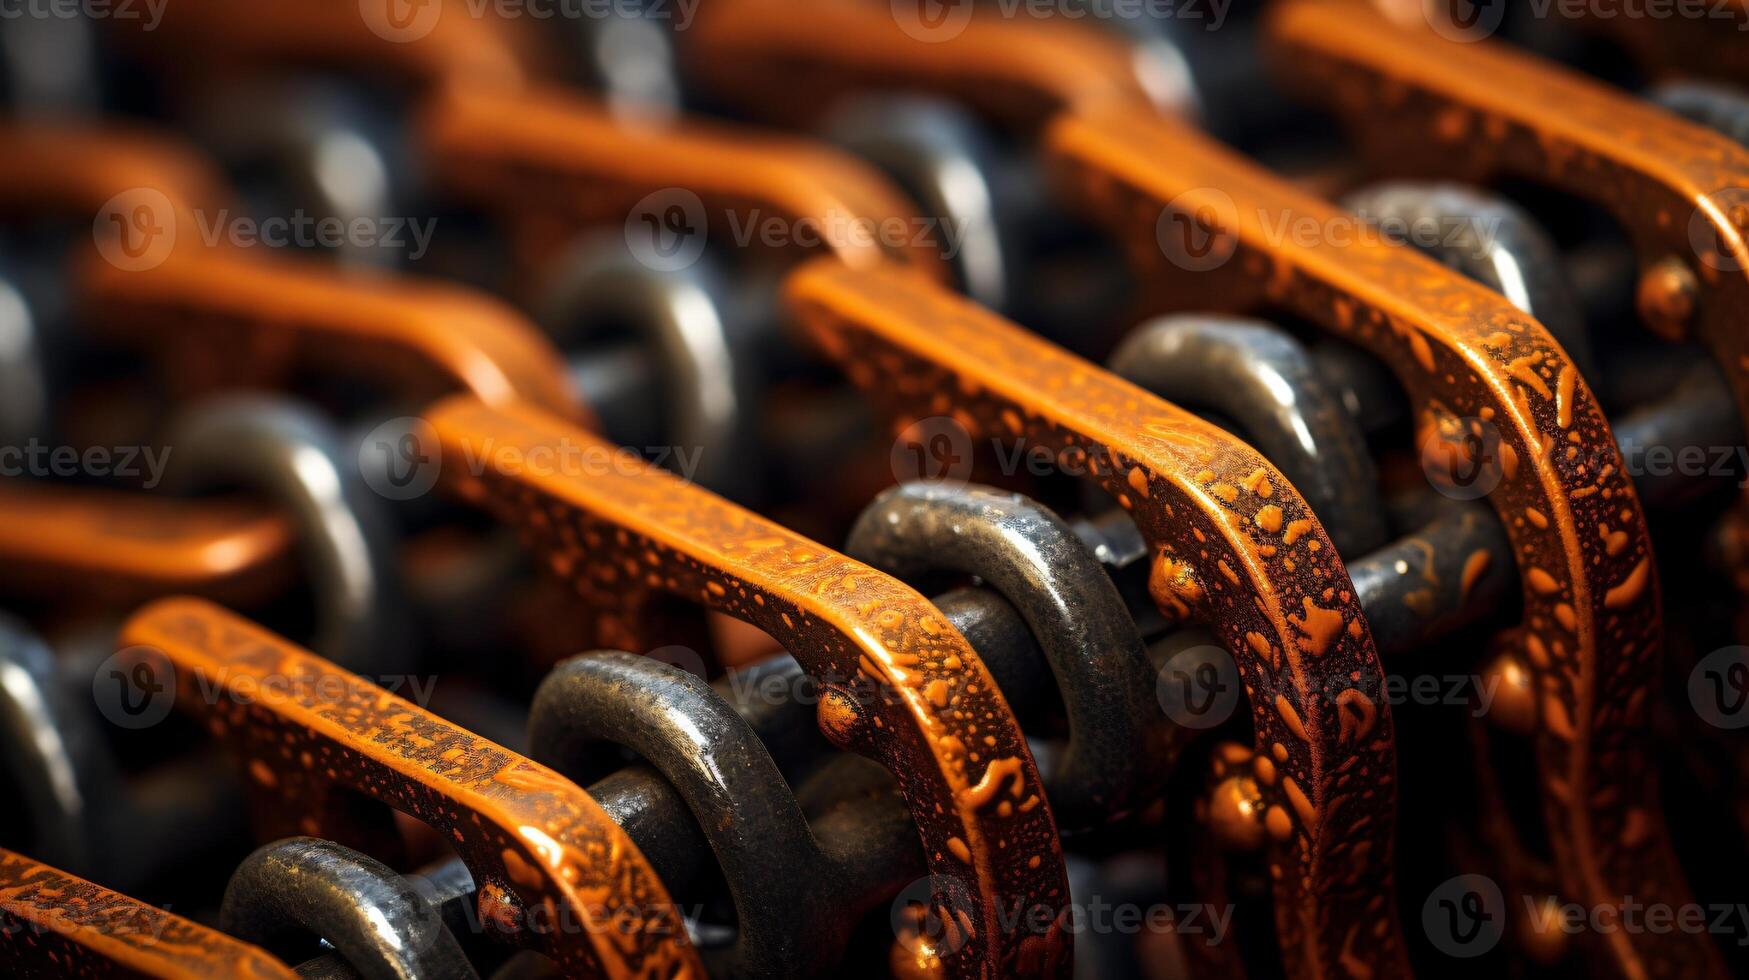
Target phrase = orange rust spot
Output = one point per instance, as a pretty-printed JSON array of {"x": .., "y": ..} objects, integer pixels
[
  {"x": 1319, "y": 625},
  {"x": 1279, "y": 824},
  {"x": 1629, "y": 590},
  {"x": 1258, "y": 483},
  {"x": 1290, "y": 717},
  {"x": 1269, "y": 518},
  {"x": 1474, "y": 566},
  {"x": 1542, "y": 581},
  {"x": 997, "y": 773},
  {"x": 1139, "y": 481},
  {"x": 1302, "y": 805}
]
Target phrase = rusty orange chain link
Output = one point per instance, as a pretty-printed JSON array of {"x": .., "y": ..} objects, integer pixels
[
  {"x": 419, "y": 45},
  {"x": 224, "y": 320},
  {"x": 786, "y": 65},
  {"x": 59, "y": 925},
  {"x": 1421, "y": 104},
  {"x": 58, "y": 169},
  {"x": 114, "y": 546},
  {"x": 227, "y": 321},
  {"x": 900, "y": 684},
  {"x": 1335, "y": 876},
  {"x": 1233, "y": 545},
  {"x": 553, "y": 871},
  {"x": 550, "y": 164},
  {"x": 1469, "y": 359},
  {"x": 217, "y": 293}
]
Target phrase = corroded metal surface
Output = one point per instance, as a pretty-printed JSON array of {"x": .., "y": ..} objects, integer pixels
[
  {"x": 554, "y": 872},
  {"x": 224, "y": 319},
  {"x": 553, "y": 165},
  {"x": 123, "y": 547},
  {"x": 787, "y": 62},
  {"x": 1233, "y": 544},
  {"x": 418, "y": 44},
  {"x": 1479, "y": 371},
  {"x": 74, "y": 168},
  {"x": 57, "y": 925},
  {"x": 901, "y": 685},
  {"x": 1681, "y": 46},
  {"x": 1425, "y": 105}
]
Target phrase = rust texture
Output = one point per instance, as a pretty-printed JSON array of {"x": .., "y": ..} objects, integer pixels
[
  {"x": 1676, "y": 47},
  {"x": 1470, "y": 362},
  {"x": 553, "y": 165},
  {"x": 315, "y": 741},
  {"x": 900, "y": 684},
  {"x": 1422, "y": 105},
  {"x": 57, "y": 169},
  {"x": 420, "y": 46},
  {"x": 227, "y": 320},
  {"x": 787, "y": 63},
  {"x": 57, "y": 925},
  {"x": 1233, "y": 545},
  {"x": 123, "y": 547}
]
